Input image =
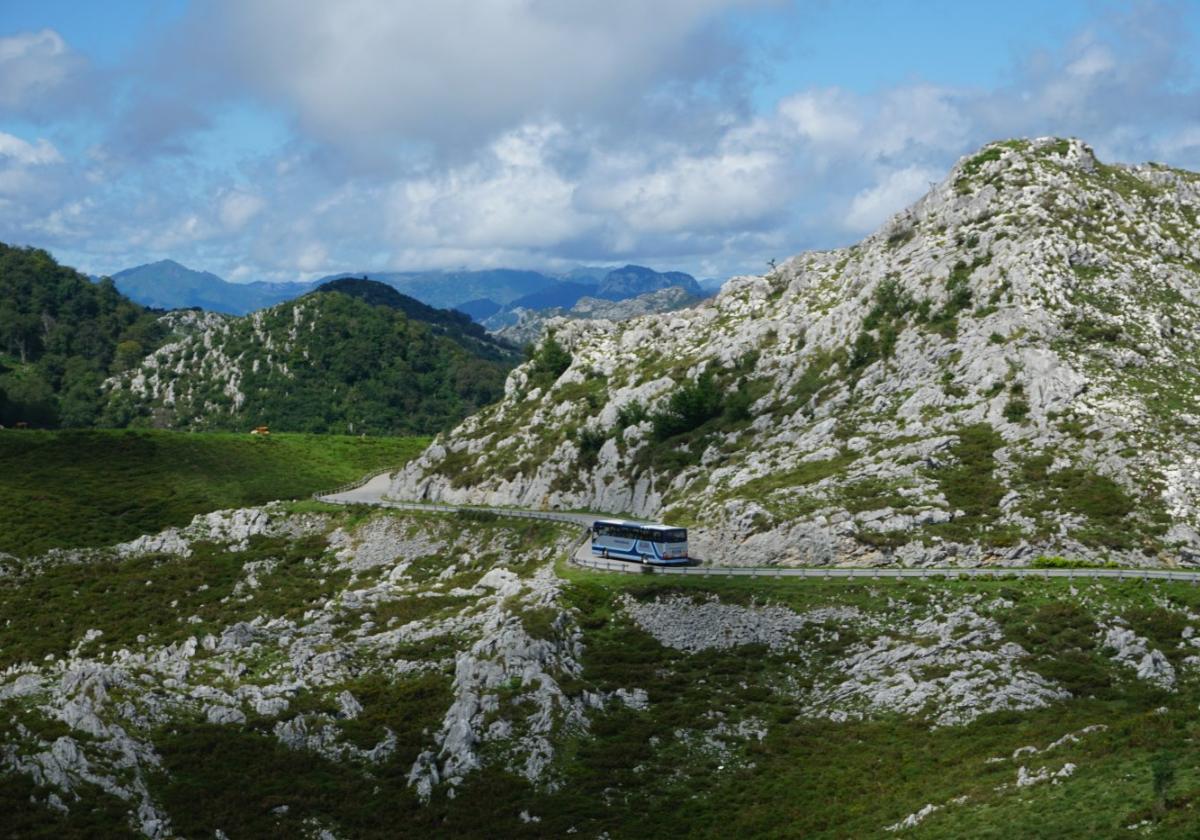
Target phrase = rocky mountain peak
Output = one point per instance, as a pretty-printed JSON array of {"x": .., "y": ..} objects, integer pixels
[
  {"x": 1004, "y": 370},
  {"x": 633, "y": 280}
]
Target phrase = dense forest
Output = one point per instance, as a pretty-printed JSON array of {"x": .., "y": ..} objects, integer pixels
[
  {"x": 60, "y": 337},
  {"x": 381, "y": 294}
]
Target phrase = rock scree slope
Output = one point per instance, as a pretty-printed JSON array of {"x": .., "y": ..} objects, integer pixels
[{"x": 1006, "y": 369}]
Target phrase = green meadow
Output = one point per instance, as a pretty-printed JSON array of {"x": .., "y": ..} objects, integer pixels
[{"x": 68, "y": 489}]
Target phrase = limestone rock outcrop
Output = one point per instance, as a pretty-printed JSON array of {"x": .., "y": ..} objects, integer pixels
[{"x": 1007, "y": 369}]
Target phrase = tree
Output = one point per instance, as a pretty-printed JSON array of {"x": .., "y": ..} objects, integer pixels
[
  {"x": 31, "y": 399},
  {"x": 64, "y": 332},
  {"x": 550, "y": 361},
  {"x": 128, "y": 354},
  {"x": 690, "y": 406}
]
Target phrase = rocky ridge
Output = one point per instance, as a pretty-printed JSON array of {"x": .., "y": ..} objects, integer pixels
[{"x": 1006, "y": 370}]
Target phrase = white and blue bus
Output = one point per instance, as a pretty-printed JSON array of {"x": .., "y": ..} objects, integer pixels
[{"x": 645, "y": 543}]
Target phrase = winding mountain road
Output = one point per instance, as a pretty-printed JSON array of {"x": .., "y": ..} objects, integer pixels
[{"x": 373, "y": 491}]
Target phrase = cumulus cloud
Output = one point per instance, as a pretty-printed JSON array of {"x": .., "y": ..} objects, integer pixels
[
  {"x": 238, "y": 207},
  {"x": 33, "y": 64},
  {"x": 895, "y": 189},
  {"x": 23, "y": 152},
  {"x": 729, "y": 188},
  {"x": 826, "y": 118},
  {"x": 562, "y": 132},
  {"x": 370, "y": 72},
  {"x": 32, "y": 177},
  {"x": 510, "y": 196}
]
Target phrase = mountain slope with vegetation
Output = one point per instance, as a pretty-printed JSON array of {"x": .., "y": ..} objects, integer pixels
[
  {"x": 457, "y": 324},
  {"x": 297, "y": 669},
  {"x": 447, "y": 289},
  {"x": 60, "y": 336},
  {"x": 356, "y": 357},
  {"x": 1007, "y": 369}
]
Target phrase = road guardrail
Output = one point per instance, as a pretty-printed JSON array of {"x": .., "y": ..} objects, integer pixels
[
  {"x": 354, "y": 485},
  {"x": 582, "y": 520},
  {"x": 842, "y": 572}
]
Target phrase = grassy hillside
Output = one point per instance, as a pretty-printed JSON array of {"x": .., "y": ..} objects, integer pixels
[
  {"x": 359, "y": 357},
  {"x": 90, "y": 488}
]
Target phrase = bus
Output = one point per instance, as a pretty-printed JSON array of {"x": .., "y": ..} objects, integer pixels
[{"x": 640, "y": 541}]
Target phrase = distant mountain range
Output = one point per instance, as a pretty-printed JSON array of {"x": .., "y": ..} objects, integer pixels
[
  {"x": 480, "y": 294},
  {"x": 168, "y": 285},
  {"x": 525, "y": 326},
  {"x": 634, "y": 280},
  {"x": 448, "y": 289},
  {"x": 350, "y": 356}
]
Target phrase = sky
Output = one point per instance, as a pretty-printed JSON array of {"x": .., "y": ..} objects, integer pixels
[{"x": 288, "y": 139}]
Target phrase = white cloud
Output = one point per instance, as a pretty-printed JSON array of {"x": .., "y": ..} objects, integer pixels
[
  {"x": 31, "y": 177},
  {"x": 24, "y": 153},
  {"x": 180, "y": 233},
  {"x": 552, "y": 135},
  {"x": 32, "y": 64},
  {"x": 1094, "y": 61},
  {"x": 362, "y": 71},
  {"x": 311, "y": 258},
  {"x": 827, "y": 118},
  {"x": 66, "y": 221},
  {"x": 920, "y": 117},
  {"x": 509, "y": 197},
  {"x": 893, "y": 192},
  {"x": 684, "y": 193},
  {"x": 238, "y": 207}
]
